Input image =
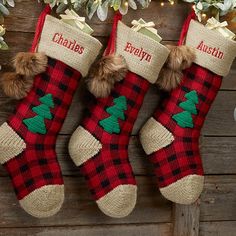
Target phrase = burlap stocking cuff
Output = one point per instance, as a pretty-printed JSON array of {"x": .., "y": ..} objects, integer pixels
[
  {"x": 143, "y": 55},
  {"x": 68, "y": 44},
  {"x": 213, "y": 51}
]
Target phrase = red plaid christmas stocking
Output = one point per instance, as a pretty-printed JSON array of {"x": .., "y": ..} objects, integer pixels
[
  {"x": 27, "y": 139},
  {"x": 171, "y": 137},
  {"x": 100, "y": 144}
]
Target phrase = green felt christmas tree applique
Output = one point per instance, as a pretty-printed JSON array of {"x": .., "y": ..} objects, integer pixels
[
  {"x": 189, "y": 106},
  {"x": 36, "y": 124},
  {"x": 43, "y": 110},
  {"x": 192, "y": 96},
  {"x": 184, "y": 119},
  {"x": 111, "y": 123},
  {"x": 121, "y": 103},
  {"x": 47, "y": 100}
]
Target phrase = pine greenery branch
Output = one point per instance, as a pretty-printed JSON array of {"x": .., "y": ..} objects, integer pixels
[
  {"x": 97, "y": 6},
  {"x": 215, "y": 8},
  {"x": 4, "y": 5}
]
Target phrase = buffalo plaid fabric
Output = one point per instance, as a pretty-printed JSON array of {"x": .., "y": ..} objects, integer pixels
[
  {"x": 111, "y": 167},
  {"x": 37, "y": 165},
  {"x": 182, "y": 158}
]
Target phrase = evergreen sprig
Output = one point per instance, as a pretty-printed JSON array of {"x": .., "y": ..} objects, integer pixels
[
  {"x": 97, "y": 6},
  {"x": 4, "y": 5},
  {"x": 216, "y": 8}
]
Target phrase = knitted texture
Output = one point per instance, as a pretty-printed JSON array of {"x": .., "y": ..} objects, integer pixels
[
  {"x": 177, "y": 162},
  {"x": 184, "y": 118},
  {"x": 111, "y": 124},
  {"x": 213, "y": 51},
  {"x": 11, "y": 143},
  {"x": 151, "y": 131},
  {"x": 103, "y": 155},
  {"x": 68, "y": 44},
  {"x": 36, "y": 124},
  {"x": 100, "y": 144},
  {"x": 143, "y": 55},
  {"x": 32, "y": 164}
]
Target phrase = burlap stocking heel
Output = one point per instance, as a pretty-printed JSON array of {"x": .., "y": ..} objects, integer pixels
[
  {"x": 171, "y": 137},
  {"x": 28, "y": 138}
]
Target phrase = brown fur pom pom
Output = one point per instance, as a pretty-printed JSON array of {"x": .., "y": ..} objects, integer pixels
[
  {"x": 180, "y": 58},
  {"x": 16, "y": 86},
  {"x": 169, "y": 79},
  {"x": 30, "y": 64},
  {"x": 104, "y": 73}
]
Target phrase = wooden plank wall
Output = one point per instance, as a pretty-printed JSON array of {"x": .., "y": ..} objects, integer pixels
[{"x": 214, "y": 214}]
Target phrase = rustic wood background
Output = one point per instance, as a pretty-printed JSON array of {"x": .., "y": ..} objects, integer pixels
[{"x": 214, "y": 214}]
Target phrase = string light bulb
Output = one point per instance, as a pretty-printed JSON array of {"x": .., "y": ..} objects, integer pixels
[
  {"x": 204, "y": 15},
  {"x": 171, "y": 2},
  {"x": 126, "y": 4}
]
